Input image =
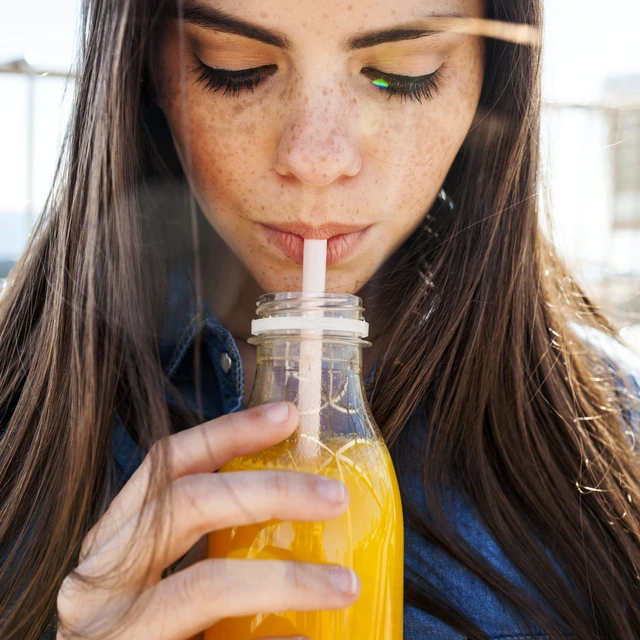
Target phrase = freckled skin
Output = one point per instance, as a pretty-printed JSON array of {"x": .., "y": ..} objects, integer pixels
[{"x": 317, "y": 142}]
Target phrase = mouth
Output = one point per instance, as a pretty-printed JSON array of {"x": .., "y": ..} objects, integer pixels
[{"x": 342, "y": 240}]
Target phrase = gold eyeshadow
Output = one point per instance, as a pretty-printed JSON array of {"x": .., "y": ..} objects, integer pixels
[{"x": 225, "y": 50}]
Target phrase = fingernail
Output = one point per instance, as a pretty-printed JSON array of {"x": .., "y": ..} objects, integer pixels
[
  {"x": 331, "y": 490},
  {"x": 276, "y": 412},
  {"x": 344, "y": 580}
]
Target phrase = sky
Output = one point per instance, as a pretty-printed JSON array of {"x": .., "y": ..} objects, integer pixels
[{"x": 586, "y": 42}]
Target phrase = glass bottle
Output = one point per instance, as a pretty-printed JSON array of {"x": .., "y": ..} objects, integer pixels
[{"x": 306, "y": 341}]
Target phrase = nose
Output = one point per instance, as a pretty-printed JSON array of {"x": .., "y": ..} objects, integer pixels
[{"x": 314, "y": 146}]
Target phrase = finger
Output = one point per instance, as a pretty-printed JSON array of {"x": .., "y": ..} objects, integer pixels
[
  {"x": 209, "y": 502},
  {"x": 196, "y": 598},
  {"x": 201, "y": 449}
]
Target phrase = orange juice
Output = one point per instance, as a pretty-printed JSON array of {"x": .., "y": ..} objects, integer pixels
[{"x": 368, "y": 538}]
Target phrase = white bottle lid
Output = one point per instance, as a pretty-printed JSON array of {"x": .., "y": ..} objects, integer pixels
[{"x": 358, "y": 327}]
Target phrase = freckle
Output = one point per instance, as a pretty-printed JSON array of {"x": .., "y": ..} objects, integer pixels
[
  {"x": 264, "y": 15},
  {"x": 325, "y": 92},
  {"x": 350, "y": 7}
]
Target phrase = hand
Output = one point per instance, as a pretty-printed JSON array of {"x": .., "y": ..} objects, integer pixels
[{"x": 196, "y": 597}]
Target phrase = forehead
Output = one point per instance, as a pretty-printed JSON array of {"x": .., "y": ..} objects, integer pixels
[{"x": 339, "y": 20}]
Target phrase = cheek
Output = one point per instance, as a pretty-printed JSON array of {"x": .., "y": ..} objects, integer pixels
[
  {"x": 227, "y": 146},
  {"x": 410, "y": 157},
  {"x": 421, "y": 146}
]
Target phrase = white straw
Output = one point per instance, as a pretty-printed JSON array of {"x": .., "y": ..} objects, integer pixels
[
  {"x": 314, "y": 266},
  {"x": 314, "y": 271}
]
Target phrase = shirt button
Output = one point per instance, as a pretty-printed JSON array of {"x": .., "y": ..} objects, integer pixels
[{"x": 226, "y": 363}]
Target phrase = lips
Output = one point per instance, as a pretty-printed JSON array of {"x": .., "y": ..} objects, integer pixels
[
  {"x": 342, "y": 240},
  {"x": 326, "y": 231}
]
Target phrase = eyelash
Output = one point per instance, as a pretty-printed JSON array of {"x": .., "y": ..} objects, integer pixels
[
  {"x": 233, "y": 82},
  {"x": 414, "y": 88}
]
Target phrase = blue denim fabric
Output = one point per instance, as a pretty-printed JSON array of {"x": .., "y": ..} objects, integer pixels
[{"x": 222, "y": 393}]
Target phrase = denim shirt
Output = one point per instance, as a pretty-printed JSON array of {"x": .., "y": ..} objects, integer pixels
[{"x": 222, "y": 393}]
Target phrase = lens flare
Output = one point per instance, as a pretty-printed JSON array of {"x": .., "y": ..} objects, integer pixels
[
  {"x": 381, "y": 83},
  {"x": 371, "y": 118}
]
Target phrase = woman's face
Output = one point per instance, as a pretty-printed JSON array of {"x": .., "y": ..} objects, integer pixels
[{"x": 316, "y": 114}]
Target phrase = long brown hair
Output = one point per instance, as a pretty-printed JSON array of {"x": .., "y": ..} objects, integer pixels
[{"x": 522, "y": 415}]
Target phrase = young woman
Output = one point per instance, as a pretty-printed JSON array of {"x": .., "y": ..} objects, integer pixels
[{"x": 204, "y": 131}]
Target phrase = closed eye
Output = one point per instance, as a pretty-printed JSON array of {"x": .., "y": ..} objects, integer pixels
[
  {"x": 414, "y": 88},
  {"x": 233, "y": 83}
]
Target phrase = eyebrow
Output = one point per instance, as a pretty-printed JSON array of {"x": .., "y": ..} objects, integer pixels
[{"x": 218, "y": 20}]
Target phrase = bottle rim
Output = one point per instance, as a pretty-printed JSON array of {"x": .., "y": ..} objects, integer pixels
[
  {"x": 311, "y": 313},
  {"x": 326, "y": 299}
]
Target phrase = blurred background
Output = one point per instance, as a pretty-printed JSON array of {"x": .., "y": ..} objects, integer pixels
[{"x": 590, "y": 142}]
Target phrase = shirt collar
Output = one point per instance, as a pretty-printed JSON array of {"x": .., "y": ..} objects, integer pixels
[{"x": 182, "y": 322}]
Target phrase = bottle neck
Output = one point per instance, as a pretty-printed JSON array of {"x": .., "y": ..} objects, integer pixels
[
  {"x": 283, "y": 361},
  {"x": 309, "y": 352},
  {"x": 338, "y": 353}
]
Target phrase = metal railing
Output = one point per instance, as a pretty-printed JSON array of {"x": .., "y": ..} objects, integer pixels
[{"x": 23, "y": 68}]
